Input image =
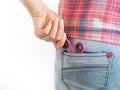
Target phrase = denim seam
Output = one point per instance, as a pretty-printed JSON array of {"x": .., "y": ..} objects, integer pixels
[
  {"x": 62, "y": 66},
  {"x": 110, "y": 65},
  {"x": 62, "y": 73},
  {"x": 108, "y": 73}
]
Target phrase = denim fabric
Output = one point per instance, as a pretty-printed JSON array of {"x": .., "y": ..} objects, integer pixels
[{"x": 91, "y": 70}]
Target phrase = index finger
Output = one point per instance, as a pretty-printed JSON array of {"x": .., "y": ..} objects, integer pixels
[{"x": 42, "y": 32}]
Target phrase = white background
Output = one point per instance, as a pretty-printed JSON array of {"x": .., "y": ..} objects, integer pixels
[{"x": 26, "y": 62}]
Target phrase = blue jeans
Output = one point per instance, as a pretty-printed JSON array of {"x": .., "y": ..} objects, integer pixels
[{"x": 95, "y": 69}]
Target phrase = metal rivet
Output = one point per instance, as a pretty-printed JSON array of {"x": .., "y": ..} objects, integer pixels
[{"x": 109, "y": 54}]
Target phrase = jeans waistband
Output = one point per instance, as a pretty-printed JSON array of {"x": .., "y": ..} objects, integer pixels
[{"x": 95, "y": 46}]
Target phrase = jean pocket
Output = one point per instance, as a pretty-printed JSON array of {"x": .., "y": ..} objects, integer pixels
[{"x": 87, "y": 71}]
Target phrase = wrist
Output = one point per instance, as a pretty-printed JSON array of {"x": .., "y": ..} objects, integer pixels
[{"x": 35, "y": 7}]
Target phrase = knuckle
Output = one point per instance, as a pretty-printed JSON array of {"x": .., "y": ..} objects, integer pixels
[
  {"x": 38, "y": 35},
  {"x": 52, "y": 37},
  {"x": 45, "y": 32},
  {"x": 56, "y": 20},
  {"x": 58, "y": 38}
]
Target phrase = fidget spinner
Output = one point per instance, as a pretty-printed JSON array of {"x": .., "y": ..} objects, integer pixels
[{"x": 69, "y": 47}]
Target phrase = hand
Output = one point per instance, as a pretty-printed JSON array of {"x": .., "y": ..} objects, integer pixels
[
  {"x": 49, "y": 27},
  {"x": 46, "y": 23}
]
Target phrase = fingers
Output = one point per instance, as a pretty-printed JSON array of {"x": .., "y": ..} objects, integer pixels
[
  {"x": 60, "y": 31},
  {"x": 52, "y": 35},
  {"x": 41, "y": 33},
  {"x": 53, "y": 31},
  {"x": 59, "y": 44},
  {"x": 56, "y": 32}
]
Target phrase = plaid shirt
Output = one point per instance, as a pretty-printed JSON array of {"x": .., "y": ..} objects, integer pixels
[{"x": 91, "y": 19}]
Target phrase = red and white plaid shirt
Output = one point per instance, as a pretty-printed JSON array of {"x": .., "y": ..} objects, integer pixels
[{"x": 92, "y": 19}]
